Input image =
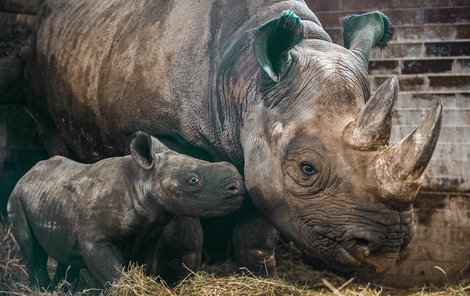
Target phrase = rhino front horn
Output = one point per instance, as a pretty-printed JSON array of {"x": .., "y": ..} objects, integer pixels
[
  {"x": 399, "y": 168},
  {"x": 373, "y": 125}
]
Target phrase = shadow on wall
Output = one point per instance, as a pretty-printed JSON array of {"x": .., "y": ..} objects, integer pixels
[
  {"x": 20, "y": 148},
  {"x": 20, "y": 145}
]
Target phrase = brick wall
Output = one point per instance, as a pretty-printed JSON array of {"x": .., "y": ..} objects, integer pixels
[{"x": 430, "y": 54}]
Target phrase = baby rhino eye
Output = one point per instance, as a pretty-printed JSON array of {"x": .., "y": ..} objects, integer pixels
[
  {"x": 193, "y": 180},
  {"x": 307, "y": 168}
]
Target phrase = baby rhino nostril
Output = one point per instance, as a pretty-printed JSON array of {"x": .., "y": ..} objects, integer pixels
[{"x": 233, "y": 189}]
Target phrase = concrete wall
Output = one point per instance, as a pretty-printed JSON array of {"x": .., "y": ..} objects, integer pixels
[{"x": 430, "y": 54}]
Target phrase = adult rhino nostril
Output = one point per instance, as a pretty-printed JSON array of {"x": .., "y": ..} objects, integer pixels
[{"x": 361, "y": 246}]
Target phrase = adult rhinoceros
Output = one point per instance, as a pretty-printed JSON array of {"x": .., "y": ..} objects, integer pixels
[{"x": 256, "y": 83}]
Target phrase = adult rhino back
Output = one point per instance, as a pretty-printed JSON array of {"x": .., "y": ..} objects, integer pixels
[
  {"x": 106, "y": 69},
  {"x": 257, "y": 83}
]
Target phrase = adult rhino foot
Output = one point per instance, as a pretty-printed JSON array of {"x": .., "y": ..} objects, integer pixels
[
  {"x": 261, "y": 263},
  {"x": 254, "y": 242}
]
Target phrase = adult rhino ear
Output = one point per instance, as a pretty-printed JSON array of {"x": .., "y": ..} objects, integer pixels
[
  {"x": 364, "y": 31},
  {"x": 274, "y": 40},
  {"x": 141, "y": 150}
]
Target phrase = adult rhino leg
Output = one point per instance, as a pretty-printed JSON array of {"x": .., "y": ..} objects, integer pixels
[
  {"x": 179, "y": 249},
  {"x": 34, "y": 256},
  {"x": 254, "y": 242},
  {"x": 68, "y": 273}
]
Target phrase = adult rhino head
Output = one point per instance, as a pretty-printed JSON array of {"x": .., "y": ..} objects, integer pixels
[{"x": 315, "y": 143}]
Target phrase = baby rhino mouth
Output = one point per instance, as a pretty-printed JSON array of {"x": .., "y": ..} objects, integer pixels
[{"x": 233, "y": 189}]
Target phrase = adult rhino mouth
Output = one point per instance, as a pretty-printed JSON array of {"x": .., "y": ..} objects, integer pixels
[
  {"x": 352, "y": 255},
  {"x": 350, "y": 258}
]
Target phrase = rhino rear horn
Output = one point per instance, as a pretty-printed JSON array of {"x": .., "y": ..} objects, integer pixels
[
  {"x": 373, "y": 125},
  {"x": 274, "y": 40},
  {"x": 399, "y": 168},
  {"x": 362, "y": 32}
]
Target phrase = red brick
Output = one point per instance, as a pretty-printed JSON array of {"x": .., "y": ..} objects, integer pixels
[
  {"x": 384, "y": 4},
  {"x": 330, "y": 19},
  {"x": 447, "y": 15},
  {"x": 431, "y": 201},
  {"x": 397, "y": 16},
  {"x": 432, "y": 32},
  {"x": 436, "y": 244},
  {"x": 425, "y": 66},
  {"x": 425, "y": 252},
  {"x": 384, "y": 67},
  {"x": 454, "y": 135},
  {"x": 434, "y": 96},
  {"x": 450, "y": 82},
  {"x": 362, "y": 4},
  {"x": 379, "y": 4},
  {"x": 322, "y": 5},
  {"x": 462, "y": 100},
  {"x": 461, "y": 66},
  {"x": 414, "y": 273},
  {"x": 451, "y": 117},
  {"x": 462, "y": 32},
  {"x": 411, "y": 83},
  {"x": 424, "y": 100},
  {"x": 398, "y": 50},
  {"x": 447, "y": 48},
  {"x": 407, "y": 83},
  {"x": 335, "y": 34},
  {"x": 405, "y": 16}
]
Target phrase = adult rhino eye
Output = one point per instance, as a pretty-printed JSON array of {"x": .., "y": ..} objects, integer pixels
[
  {"x": 307, "y": 168},
  {"x": 193, "y": 180}
]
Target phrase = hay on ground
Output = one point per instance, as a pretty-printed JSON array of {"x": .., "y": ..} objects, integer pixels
[{"x": 296, "y": 278}]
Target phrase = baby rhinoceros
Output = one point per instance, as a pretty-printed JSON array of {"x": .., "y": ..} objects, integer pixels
[{"x": 100, "y": 216}]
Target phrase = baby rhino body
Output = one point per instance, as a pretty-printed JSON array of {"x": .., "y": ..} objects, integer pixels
[{"x": 103, "y": 215}]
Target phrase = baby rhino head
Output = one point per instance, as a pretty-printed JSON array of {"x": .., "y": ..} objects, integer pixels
[{"x": 184, "y": 185}]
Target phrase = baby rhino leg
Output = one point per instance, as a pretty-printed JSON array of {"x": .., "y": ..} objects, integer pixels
[
  {"x": 34, "y": 256},
  {"x": 179, "y": 249},
  {"x": 103, "y": 260},
  {"x": 68, "y": 273}
]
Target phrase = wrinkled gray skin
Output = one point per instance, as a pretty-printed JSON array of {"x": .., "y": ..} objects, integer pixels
[
  {"x": 102, "y": 215},
  {"x": 295, "y": 122}
]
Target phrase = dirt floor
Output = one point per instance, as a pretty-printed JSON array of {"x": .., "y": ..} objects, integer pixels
[{"x": 296, "y": 278}]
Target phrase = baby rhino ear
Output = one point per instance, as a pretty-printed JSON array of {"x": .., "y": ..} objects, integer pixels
[{"x": 141, "y": 150}]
